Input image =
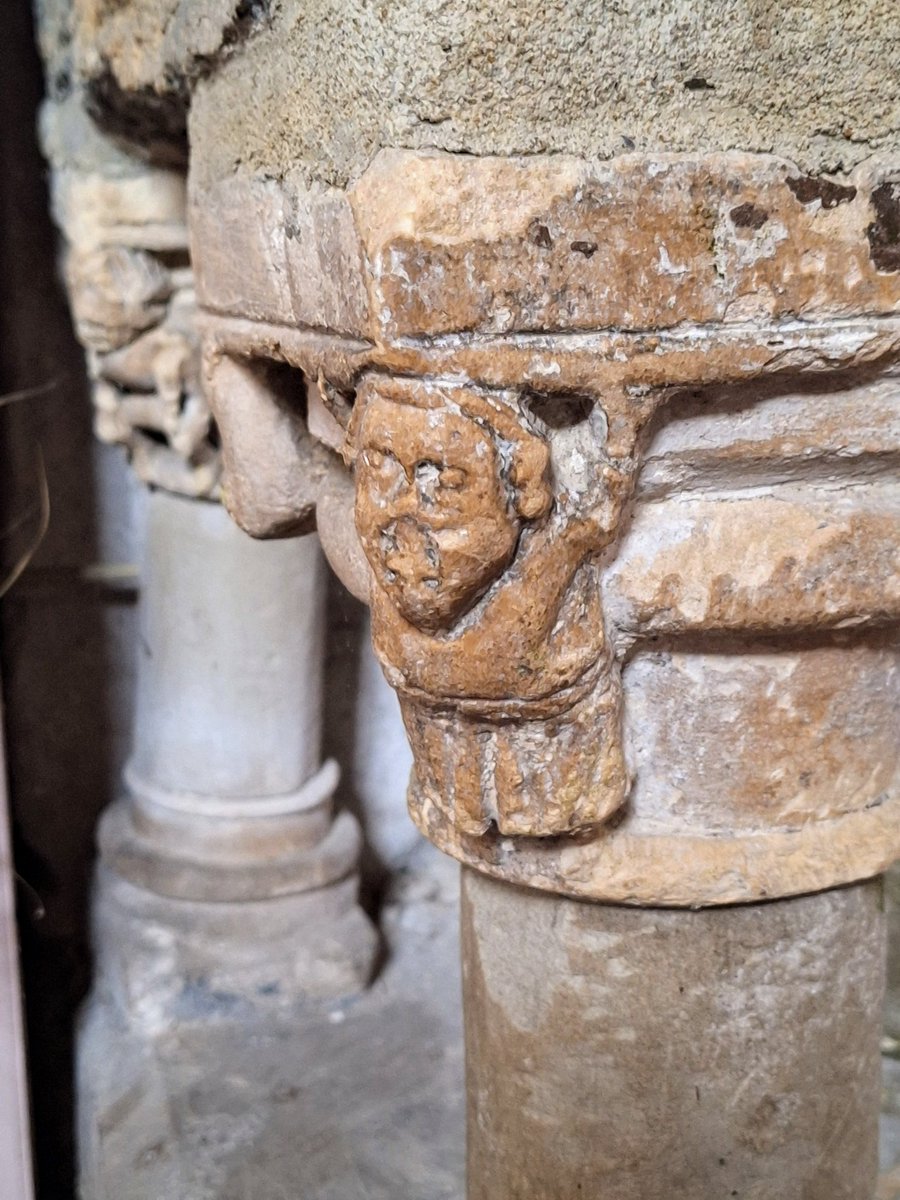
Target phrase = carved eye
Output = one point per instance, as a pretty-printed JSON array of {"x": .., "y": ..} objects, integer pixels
[
  {"x": 374, "y": 459},
  {"x": 453, "y": 478}
]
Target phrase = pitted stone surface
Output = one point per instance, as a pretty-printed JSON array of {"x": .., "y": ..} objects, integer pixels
[
  {"x": 328, "y": 85},
  {"x": 447, "y": 247}
]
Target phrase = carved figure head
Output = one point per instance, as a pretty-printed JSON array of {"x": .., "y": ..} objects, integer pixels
[{"x": 446, "y": 476}]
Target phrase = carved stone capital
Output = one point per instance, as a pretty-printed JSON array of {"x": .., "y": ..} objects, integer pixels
[
  {"x": 131, "y": 290},
  {"x": 624, "y": 439}
]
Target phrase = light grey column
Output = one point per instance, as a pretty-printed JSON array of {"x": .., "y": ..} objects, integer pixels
[
  {"x": 224, "y": 872},
  {"x": 15, "y": 1137}
]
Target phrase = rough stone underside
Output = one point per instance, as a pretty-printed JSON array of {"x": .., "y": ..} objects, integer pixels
[{"x": 324, "y": 86}]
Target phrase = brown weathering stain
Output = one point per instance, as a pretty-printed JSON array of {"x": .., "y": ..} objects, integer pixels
[
  {"x": 808, "y": 188},
  {"x": 884, "y": 232},
  {"x": 749, "y": 216}
]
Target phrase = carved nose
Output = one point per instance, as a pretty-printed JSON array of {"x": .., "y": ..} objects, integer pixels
[{"x": 404, "y": 499}]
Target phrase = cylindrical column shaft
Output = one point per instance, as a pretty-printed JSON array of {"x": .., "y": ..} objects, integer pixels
[
  {"x": 227, "y": 842},
  {"x": 230, "y": 657},
  {"x": 228, "y": 797},
  {"x": 620, "y": 1053}
]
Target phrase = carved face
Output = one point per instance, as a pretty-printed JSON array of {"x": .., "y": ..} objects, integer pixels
[{"x": 432, "y": 510}]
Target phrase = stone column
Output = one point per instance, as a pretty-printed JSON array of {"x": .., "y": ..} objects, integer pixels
[
  {"x": 225, "y": 878},
  {"x": 226, "y": 846},
  {"x": 637, "y": 592},
  {"x": 655, "y": 1054},
  {"x": 616, "y": 385}
]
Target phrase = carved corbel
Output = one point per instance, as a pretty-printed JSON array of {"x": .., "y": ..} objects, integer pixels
[{"x": 486, "y": 603}]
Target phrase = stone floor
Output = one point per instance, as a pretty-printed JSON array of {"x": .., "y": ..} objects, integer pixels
[{"x": 359, "y": 1100}]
